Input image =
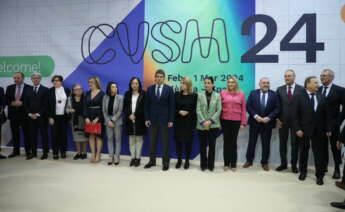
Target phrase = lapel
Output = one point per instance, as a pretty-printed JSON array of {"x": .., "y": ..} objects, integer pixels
[
  {"x": 319, "y": 99},
  {"x": 331, "y": 91},
  {"x": 285, "y": 94},
  {"x": 269, "y": 98},
  {"x": 140, "y": 97}
]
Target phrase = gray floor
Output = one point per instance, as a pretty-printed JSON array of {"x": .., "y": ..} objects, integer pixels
[{"x": 67, "y": 185}]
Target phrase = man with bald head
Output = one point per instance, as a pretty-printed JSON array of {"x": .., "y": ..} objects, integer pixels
[
  {"x": 334, "y": 96},
  {"x": 286, "y": 94},
  {"x": 263, "y": 108}
]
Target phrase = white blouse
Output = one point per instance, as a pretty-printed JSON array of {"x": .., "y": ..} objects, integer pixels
[{"x": 61, "y": 99}]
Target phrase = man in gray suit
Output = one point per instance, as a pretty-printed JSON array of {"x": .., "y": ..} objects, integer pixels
[{"x": 286, "y": 94}]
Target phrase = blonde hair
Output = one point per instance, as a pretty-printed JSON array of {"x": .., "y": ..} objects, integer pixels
[
  {"x": 97, "y": 81},
  {"x": 236, "y": 82},
  {"x": 188, "y": 83}
]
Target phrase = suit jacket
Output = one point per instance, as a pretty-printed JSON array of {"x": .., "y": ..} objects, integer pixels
[
  {"x": 2, "y": 99},
  {"x": 51, "y": 101},
  {"x": 37, "y": 102},
  {"x": 287, "y": 107},
  {"x": 212, "y": 112},
  {"x": 117, "y": 110},
  {"x": 139, "y": 113},
  {"x": 160, "y": 110},
  {"x": 271, "y": 111},
  {"x": 10, "y": 97},
  {"x": 312, "y": 123},
  {"x": 335, "y": 98}
]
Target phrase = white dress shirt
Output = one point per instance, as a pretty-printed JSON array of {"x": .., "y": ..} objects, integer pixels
[
  {"x": 160, "y": 89},
  {"x": 328, "y": 88},
  {"x": 315, "y": 99},
  {"x": 292, "y": 88},
  {"x": 61, "y": 99}
]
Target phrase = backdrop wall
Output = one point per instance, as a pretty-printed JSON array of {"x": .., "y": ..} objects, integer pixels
[{"x": 116, "y": 40}]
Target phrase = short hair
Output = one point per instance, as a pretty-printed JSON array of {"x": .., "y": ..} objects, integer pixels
[
  {"x": 108, "y": 90},
  {"x": 59, "y": 77},
  {"x": 36, "y": 74},
  {"x": 211, "y": 79},
  {"x": 130, "y": 82},
  {"x": 262, "y": 78},
  {"x": 189, "y": 84},
  {"x": 160, "y": 71},
  {"x": 307, "y": 80},
  {"x": 236, "y": 81},
  {"x": 331, "y": 72},
  {"x": 21, "y": 74},
  {"x": 97, "y": 81},
  {"x": 292, "y": 71}
]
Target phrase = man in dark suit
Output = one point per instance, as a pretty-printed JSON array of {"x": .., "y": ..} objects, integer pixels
[
  {"x": 2, "y": 108},
  {"x": 286, "y": 95},
  {"x": 340, "y": 142},
  {"x": 263, "y": 108},
  {"x": 36, "y": 108},
  {"x": 16, "y": 94},
  {"x": 333, "y": 95},
  {"x": 310, "y": 122},
  {"x": 159, "y": 116}
]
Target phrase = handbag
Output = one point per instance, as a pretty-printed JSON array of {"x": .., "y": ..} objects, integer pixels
[{"x": 94, "y": 128}]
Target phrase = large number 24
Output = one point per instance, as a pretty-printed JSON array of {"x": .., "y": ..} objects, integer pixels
[{"x": 310, "y": 46}]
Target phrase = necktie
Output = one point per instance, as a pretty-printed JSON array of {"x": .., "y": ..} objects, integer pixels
[
  {"x": 18, "y": 92},
  {"x": 324, "y": 91},
  {"x": 35, "y": 89},
  {"x": 263, "y": 101},
  {"x": 312, "y": 100},
  {"x": 158, "y": 91},
  {"x": 289, "y": 93}
]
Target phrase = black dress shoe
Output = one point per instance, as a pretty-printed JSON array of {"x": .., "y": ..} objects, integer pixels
[
  {"x": 83, "y": 156},
  {"x": 44, "y": 157},
  {"x": 77, "y": 156},
  {"x": 2, "y": 157},
  {"x": 186, "y": 164},
  {"x": 336, "y": 174},
  {"x": 137, "y": 163},
  {"x": 211, "y": 167},
  {"x": 281, "y": 168},
  {"x": 63, "y": 155},
  {"x": 340, "y": 205},
  {"x": 55, "y": 157},
  {"x": 132, "y": 162},
  {"x": 29, "y": 156},
  {"x": 294, "y": 169},
  {"x": 178, "y": 164},
  {"x": 319, "y": 181},
  {"x": 13, "y": 155},
  {"x": 302, "y": 176},
  {"x": 165, "y": 168},
  {"x": 149, "y": 165}
]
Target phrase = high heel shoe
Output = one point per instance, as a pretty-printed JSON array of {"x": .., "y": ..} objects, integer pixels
[{"x": 110, "y": 162}]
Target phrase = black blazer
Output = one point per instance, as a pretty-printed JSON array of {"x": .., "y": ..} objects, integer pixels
[
  {"x": 2, "y": 99},
  {"x": 272, "y": 108},
  {"x": 11, "y": 96},
  {"x": 139, "y": 125},
  {"x": 160, "y": 110},
  {"x": 335, "y": 98},
  {"x": 51, "y": 101},
  {"x": 287, "y": 107},
  {"x": 312, "y": 123},
  {"x": 37, "y": 102}
]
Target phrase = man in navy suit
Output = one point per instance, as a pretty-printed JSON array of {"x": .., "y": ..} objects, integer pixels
[
  {"x": 159, "y": 116},
  {"x": 36, "y": 110},
  {"x": 311, "y": 121},
  {"x": 333, "y": 95},
  {"x": 263, "y": 108},
  {"x": 16, "y": 94}
]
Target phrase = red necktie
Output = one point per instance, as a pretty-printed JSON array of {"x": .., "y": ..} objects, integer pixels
[
  {"x": 18, "y": 92},
  {"x": 289, "y": 93}
]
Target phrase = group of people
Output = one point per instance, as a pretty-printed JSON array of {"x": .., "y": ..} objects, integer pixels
[{"x": 311, "y": 115}]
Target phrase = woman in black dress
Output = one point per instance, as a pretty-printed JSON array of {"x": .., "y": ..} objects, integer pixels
[
  {"x": 134, "y": 106},
  {"x": 93, "y": 113},
  {"x": 185, "y": 120}
]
